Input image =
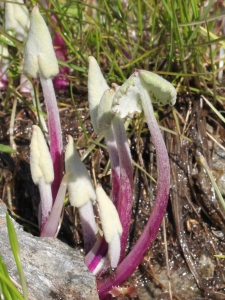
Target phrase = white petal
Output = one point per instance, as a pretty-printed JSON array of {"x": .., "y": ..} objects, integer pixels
[
  {"x": 96, "y": 87},
  {"x": 79, "y": 185},
  {"x": 105, "y": 115},
  {"x": 114, "y": 250},
  {"x": 108, "y": 214},
  {"x": 128, "y": 99},
  {"x": 161, "y": 91}
]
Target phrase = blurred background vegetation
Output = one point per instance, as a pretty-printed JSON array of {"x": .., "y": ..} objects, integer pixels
[{"x": 180, "y": 40}]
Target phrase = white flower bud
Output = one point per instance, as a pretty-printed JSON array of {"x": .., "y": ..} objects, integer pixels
[
  {"x": 111, "y": 225},
  {"x": 96, "y": 87},
  {"x": 40, "y": 158},
  {"x": 17, "y": 18},
  {"x": 139, "y": 89},
  {"x": 108, "y": 215},
  {"x": 39, "y": 54},
  {"x": 79, "y": 184}
]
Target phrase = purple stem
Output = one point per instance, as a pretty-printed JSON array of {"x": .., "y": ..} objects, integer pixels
[
  {"x": 124, "y": 205},
  {"x": 56, "y": 146},
  {"x": 115, "y": 164},
  {"x": 93, "y": 258},
  {"x": 134, "y": 258},
  {"x": 122, "y": 184}
]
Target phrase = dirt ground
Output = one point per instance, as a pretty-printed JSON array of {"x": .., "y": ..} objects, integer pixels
[{"x": 180, "y": 264}]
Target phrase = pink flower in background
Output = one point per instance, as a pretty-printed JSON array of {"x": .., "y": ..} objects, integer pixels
[{"x": 60, "y": 81}]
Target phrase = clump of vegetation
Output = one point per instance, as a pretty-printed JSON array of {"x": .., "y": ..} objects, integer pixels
[{"x": 179, "y": 41}]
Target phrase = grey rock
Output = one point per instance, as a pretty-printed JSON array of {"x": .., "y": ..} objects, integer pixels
[{"x": 53, "y": 270}]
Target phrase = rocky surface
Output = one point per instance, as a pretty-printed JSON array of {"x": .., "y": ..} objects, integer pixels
[{"x": 52, "y": 269}]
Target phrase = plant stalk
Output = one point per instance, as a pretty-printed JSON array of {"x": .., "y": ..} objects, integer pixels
[
  {"x": 124, "y": 205},
  {"x": 134, "y": 258},
  {"x": 56, "y": 146},
  {"x": 115, "y": 164}
]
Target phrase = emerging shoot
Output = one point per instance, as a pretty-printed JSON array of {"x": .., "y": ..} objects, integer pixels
[
  {"x": 42, "y": 172},
  {"x": 51, "y": 226},
  {"x": 111, "y": 225},
  {"x": 97, "y": 85},
  {"x": 104, "y": 121},
  {"x": 81, "y": 193},
  {"x": 135, "y": 95},
  {"x": 39, "y": 58}
]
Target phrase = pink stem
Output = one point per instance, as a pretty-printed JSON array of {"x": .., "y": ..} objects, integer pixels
[
  {"x": 114, "y": 161},
  {"x": 94, "y": 257},
  {"x": 134, "y": 258},
  {"x": 122, "y": 183},
  {"x": 46, "y": 201},
  {"x": 124, "y": 205},
  {"x": 56, "y": 146}
]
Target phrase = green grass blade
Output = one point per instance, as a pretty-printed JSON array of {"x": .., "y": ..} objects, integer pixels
[
  {"x": 17, "y": 95},
  {"x": 208, "y": 19},
  {"x": 6, "y": 149},
  {"x": 214, "y": 109},
  {"x": 140, "y": 18},
  {"x": 120, "y": 7},
  {"x": 195, "y": 10},
  {"x": 203, "y": 162},
  {"x": 16, "y": 253},
  {"x": 219, "y": 256},
  {"x": 203, "y": 17},
  {"x": 4, "y": 290},
  {"x": 215, "y": 38},
  {"x": 169, "y": 12},
  {"x": 10, "y": 286}
]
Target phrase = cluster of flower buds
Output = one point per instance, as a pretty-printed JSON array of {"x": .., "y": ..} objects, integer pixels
[
  {"x": 16, "y": 23},
  {"x": 108, "y": 108}
]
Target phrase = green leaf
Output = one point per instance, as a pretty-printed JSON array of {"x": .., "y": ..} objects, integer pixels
[
  {"x": 4, "y": 289},
  {"x": 11, "y": 287},
  {"x": 219, "y": 256},
  {"x": 16, "y": 253},
  {"x": 6, "y": 40},
  {"x": 6, "y": 149}
]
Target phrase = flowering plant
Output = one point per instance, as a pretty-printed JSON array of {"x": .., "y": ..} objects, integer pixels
[{"x": 108, "y": 108}]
